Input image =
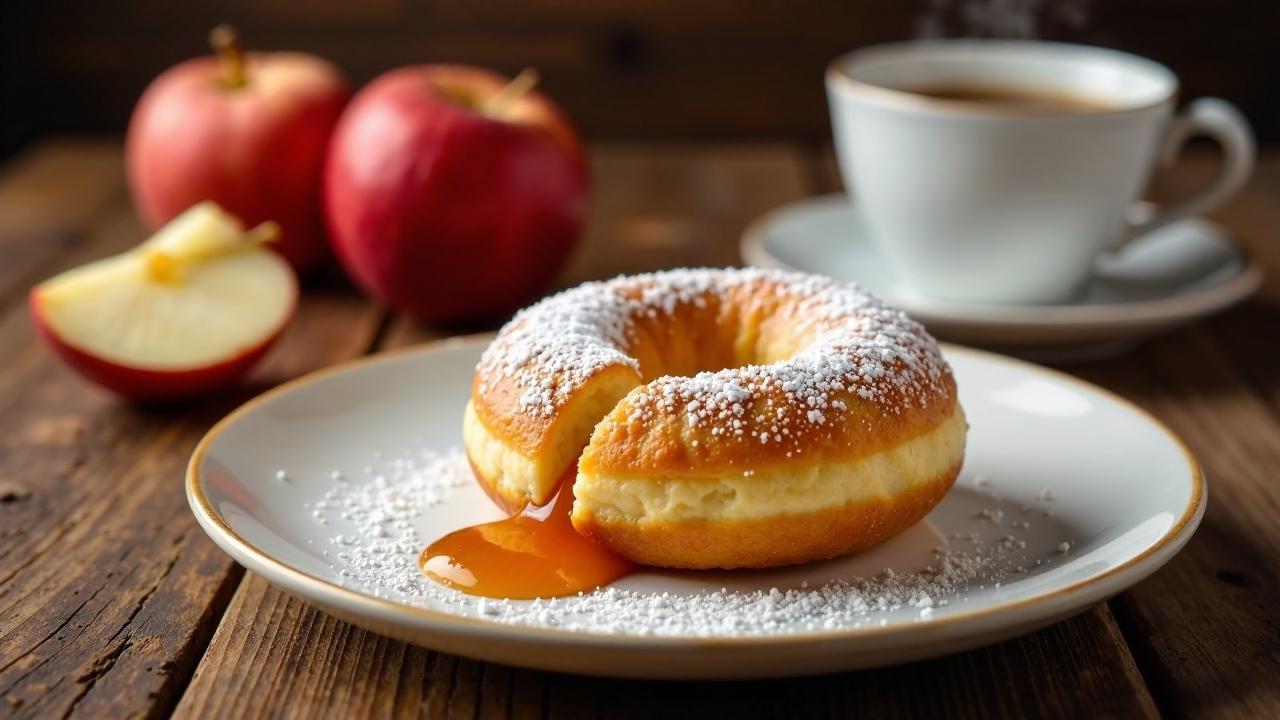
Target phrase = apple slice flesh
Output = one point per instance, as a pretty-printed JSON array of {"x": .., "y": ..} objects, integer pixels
[
  {"x": 205, "y": 231},
  {"x": 192, "y": 303}
]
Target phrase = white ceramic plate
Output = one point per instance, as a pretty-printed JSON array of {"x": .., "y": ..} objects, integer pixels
[
  {"x": 1126, "y": 495},
  {"x": 1174, "y": 275}
]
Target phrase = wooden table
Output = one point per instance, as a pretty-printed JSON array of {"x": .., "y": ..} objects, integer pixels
[{"x": 113, "y": 603}]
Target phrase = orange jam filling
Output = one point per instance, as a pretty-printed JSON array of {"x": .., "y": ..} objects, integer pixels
[{"x": 536, "y": 553}]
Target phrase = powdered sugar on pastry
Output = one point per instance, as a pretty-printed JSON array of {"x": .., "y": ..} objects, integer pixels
[{"x": 552, "y": 348}]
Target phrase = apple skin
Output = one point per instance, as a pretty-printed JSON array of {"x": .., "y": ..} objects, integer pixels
[
  {"x": 258, "y": 150},
  {"x": 146, "y": 386},
  {"x": 446, "y": 213}
]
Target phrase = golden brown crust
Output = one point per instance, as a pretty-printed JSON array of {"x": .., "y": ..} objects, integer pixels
[
  {"x": 774, "y": 540},
  {"x": 497, "y": 405},
  {"x": 667, "y": 445}
]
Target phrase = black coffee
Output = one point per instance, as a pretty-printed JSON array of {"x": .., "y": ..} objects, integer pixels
[{"x": 1016, "y": 99}]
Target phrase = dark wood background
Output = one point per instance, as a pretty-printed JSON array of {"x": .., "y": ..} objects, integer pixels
[{"x": 623, "y": 68}]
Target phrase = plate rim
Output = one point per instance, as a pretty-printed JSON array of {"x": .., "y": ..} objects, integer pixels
[
  {"x": 326, "y": 592},
  {"x": 1164, "y": 310}
]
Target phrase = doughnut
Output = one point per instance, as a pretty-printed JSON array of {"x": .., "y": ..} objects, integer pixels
[{"x": 718, "y": 418}]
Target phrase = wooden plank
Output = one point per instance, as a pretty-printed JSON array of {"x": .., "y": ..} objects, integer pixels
[
  {"x": 1072, "y": 679},
  {"x": 108, "y": 591},
  {"x": 664, "y": 206},
  {"x": 629, "y": 68},
  {"x": 273, "y": 655},
  {"x": 49, "y": 196},
  {"x": 1204, "y": 627}
]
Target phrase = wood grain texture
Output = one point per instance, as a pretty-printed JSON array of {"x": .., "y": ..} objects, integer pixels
[
  {"x": 659, "y": 206},
  {"x": 50, "y": 196},
  {"x": 629, "y": 68},
  {"x": 108, "y": 591},
  {"x": 274, "y": 656},
  {"x": 1205, "y": 626}
]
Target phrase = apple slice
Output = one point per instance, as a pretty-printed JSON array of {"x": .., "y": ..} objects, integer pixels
[{"x": 184, "y": 313}]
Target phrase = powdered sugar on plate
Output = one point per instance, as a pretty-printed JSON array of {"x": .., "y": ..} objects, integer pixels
[{"x": 378, "y": 551}]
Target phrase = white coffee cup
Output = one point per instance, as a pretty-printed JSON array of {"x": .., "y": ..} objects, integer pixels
[{"x": 988, "y": 202}]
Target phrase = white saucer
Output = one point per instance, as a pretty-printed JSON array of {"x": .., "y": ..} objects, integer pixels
[
  {"x": 1174, "y": 275},
  {"x": 1081, "y": 490}
]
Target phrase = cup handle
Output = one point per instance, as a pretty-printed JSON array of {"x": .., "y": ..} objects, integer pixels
[{"x": 1213, "y": 118}]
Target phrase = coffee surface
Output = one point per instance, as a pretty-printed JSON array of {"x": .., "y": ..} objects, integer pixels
[{"x": 1048, "y": 102}]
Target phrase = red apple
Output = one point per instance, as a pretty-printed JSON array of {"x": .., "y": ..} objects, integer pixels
[
  {"x": 247, "y": 132},
  {"x": 453, "y": 193},
  {"x": 186, "y": 312}
]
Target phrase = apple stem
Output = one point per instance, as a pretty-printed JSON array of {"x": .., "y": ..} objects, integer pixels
[
  {"x": 497, "y": 104},
  {"x": 226, "y": 43},
  {"x": 267, "y": 232}
]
